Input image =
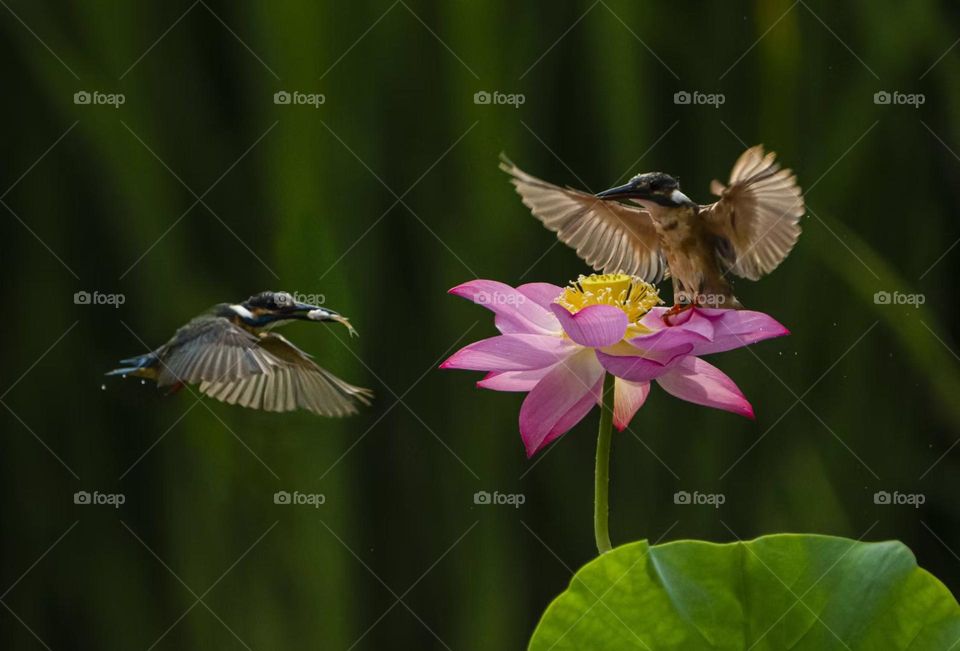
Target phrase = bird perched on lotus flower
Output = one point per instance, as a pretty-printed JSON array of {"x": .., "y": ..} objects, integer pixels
[
  {"x": 650, "y": 229},
  {"x": 233, "y": 355}
]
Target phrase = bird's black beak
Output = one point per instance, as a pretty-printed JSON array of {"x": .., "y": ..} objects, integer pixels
[
  {"x": 303, "y": 309},
  {"x": 296, "y": 310},
  {"x": 632, "y": 190}
]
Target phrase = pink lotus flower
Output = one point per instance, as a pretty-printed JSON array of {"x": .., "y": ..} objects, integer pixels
[{"x": 558, "y": 343}]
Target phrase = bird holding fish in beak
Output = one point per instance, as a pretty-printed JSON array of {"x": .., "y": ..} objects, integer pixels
[
  {"x": 650, "y": 229},
  {"x": 234, "y": 357}
]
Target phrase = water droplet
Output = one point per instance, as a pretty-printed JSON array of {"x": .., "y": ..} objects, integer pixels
[
  {"x": 143, "y": 381},
  {"x": 124, "y": 376},
  {"x": 103, "y": 387}
]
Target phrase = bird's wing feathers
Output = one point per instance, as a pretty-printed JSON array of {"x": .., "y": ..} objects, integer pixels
[
  {"x": 266, "y": 372},
  {"x": 210, "y": 349},
  {"x": 609, "y": 236},
  {"x": 758, "y": 214},
  {"x": 292, "y": 381}
]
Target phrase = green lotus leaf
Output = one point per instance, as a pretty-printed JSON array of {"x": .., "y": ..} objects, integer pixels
[{"x": 777, "y": 592}]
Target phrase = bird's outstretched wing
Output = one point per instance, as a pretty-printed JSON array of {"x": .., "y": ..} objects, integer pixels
[
  {"x": 611, "y": 237},
  {"x": 292, "y": 381},
  {"x": 261, "y": 372},
  {"x": 758, "y": 215},
  {"x": 209, "y": 348}
]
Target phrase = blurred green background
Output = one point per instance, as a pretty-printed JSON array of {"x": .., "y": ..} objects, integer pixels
[{"x": 200, "y": 189}]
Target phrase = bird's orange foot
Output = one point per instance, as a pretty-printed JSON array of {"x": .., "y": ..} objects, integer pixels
[
  {"x": 174, "y": 389},
  {"x": 674, "y": 311}
]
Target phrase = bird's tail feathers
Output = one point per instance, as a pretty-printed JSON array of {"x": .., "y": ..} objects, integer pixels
[
  {"x": 140, "y": 366},
  {"x": 139, "y": 360}
]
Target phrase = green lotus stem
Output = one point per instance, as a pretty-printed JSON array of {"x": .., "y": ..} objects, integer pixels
[{"x": 601, "y": 490}]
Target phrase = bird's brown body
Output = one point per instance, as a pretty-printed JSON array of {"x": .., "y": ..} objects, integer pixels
[
  {"x": 648, "y": 228},
  {"x": 690, "y": 252}
]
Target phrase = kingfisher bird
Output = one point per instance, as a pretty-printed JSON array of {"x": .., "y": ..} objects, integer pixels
[
  {"x": 650, "y": 229},
  {"x": 235, "y": 358}
]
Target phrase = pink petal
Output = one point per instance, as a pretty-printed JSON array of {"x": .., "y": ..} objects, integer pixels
[
  {"x": 737, "y": 328},
  {"x": 573, "y": 416},
  {"x": 712, "y": 330},
  {"x": 543, "y": 294},
  {"x": 513, "y": 352},
  {"x": 594, "y": 326},
  {"x": 664, "y": 344},
  {"x": 549, "y": 409},
  {"x": 513, "y": 380},
  {"x": 696, "y": 381},
  {"x": 516, "y": 312},
  {"x": 642, "y": 369},
  {"x": 628, "y": 397},
  {"x": 654, "y": 318},
  {"x": 694, "y": 319}
]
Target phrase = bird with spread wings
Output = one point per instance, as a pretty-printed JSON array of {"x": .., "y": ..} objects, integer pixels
[
  {"x": 234, "y": 357},
  {"x": 648, "y": 228}
]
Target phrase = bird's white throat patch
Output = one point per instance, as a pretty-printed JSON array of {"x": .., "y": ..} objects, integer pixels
[
  {"x": 242, "y": 311},
  {"x": 679, "y": 197}
]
